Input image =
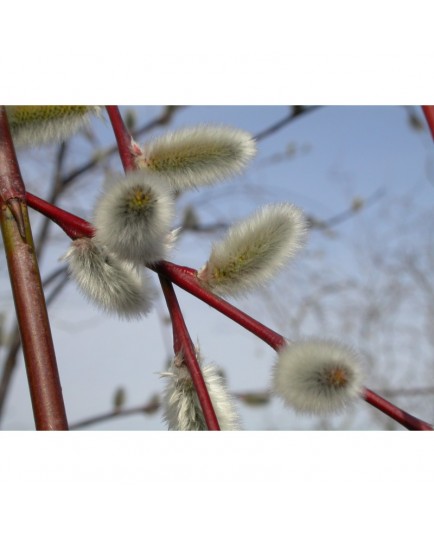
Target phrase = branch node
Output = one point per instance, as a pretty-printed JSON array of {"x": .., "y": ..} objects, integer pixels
[{"x": 15, "y": 206}]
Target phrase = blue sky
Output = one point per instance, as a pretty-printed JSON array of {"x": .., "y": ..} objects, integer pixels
[
  {"x": 320, "y": 162},
  {"x": 312, "y": 53}
]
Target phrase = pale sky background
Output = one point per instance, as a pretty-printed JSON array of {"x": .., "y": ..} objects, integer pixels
[
  {"x": 167, "y": 52},
  {"x": 321, "y": 162}
]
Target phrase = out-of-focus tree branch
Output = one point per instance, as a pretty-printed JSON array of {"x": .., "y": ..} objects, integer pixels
[
  {"x": 250, "y": 398},
  {"x": 294, "y": 113}
]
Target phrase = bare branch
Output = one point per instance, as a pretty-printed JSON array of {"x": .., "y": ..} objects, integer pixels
[{"x": 294, "y": 113}]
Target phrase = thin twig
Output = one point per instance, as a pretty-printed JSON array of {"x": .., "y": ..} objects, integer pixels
[
  {"x": 250, "y": 398},
  {"x": 184, "y": 347},
  {"x": 415, "y": 391},
  {"x": 295, "y": 111},
  {"x": 151, "y": 407},
  {"x": 56, "y": 189},
  {"x": 346, "y": 214},
  {"x": 72, "y": 225},
  {"x": 123, "y": 138},
  {"x": 162, "y": 120}
]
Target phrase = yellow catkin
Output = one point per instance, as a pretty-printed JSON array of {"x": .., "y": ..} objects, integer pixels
[{"x": 35, "y": 125}]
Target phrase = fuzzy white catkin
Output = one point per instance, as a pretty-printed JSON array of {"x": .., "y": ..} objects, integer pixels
[
  {"x": 133, "y": 217},
  {"x": 182, "y": 410},
  {"x": 254, "y": 249},
  {"x": 317, "y": 376},
  {"x": 112, "y": 285},
  {"x": 38, "y": 125},
  {"x": 198, "y": 156}
]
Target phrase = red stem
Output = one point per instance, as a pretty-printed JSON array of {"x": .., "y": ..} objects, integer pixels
[
  {"x": 408, "y": 421},
  {"x": 123, "y": 138},
  {"x": 73, "y": 226},
  {"x": 183, "y": 345},
  {"x": 38, "y": 349},
  {"x": 11, "y": 184},
  {"x": 185, "y": 278},
  {"x": 429, "y": 116}
]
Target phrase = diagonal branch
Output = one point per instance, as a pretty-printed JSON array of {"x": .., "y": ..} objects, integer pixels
[
  {"x": 185, "y": 278},
  {"x": 405, "y": 419}
]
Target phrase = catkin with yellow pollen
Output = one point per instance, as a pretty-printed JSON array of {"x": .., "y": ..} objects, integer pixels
[{"x": 38, "y": 125}]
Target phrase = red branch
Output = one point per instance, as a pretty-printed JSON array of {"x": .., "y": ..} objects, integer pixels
[
  {"x": 398, "y": 415},
  {"x": 73, "y": 226},
  {"x": 123, "y": 138},
  {"x": 183, "y": 346},
  {"x": 38, "y": 349},
  {"x": 429, "y": 116},
  {"x": 185, "y": 278},
  {"x": 11, "y": 184}
]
